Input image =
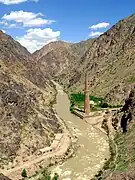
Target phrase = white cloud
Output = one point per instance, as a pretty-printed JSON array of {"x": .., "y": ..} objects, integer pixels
[
  {"x": 36, "y": 38},
  {"x": 27, "y": 19},
  {"x": 12, "y": 26},
  {"x": 8, "y": 2},
  {"x": 99, "y": 25},
  {"x": 4, "y": 23},
  {"x": 95, "y": 34},
  {"x": 8, "y": 25},
  {"x": 3, "y": 31}
]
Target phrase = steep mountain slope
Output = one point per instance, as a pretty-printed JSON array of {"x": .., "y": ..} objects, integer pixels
[
  {"x": 49, "y": 47},
  {"x": 79, "y": 49},
  {"x": 108, "y": 59},
  {"x": 110, "y": 62},
  {"x": 56, "y": 57},
  {"x": 125, "y": 162},
  {"x": 56, "y": 61},
  {"x": 27, "y": 121}
]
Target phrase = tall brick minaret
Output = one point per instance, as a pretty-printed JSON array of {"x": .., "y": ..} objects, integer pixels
[{"x": 87, "y": 100}]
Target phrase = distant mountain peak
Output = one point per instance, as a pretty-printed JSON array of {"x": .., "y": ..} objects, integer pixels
[
  {"x": 49, "y": 47},
  {"x": 4, "y": 36}
]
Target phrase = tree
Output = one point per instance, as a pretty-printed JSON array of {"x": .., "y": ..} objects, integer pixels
[
  {"x": 56, "y": 176},
  {"x": 104, "y": 105},
  {"x": 24, "y": 173},
  {"x": 46, "y": 175}
]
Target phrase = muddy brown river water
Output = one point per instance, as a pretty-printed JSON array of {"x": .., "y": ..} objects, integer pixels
[{"x": 94, "y": 147}]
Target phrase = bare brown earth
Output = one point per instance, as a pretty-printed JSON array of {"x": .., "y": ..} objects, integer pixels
[
  {"x": 124, "y": 159},
  {"x": 35, "y": 162},
  {"x": 27, "y": 121},
  {"x": 2, "y": 177}
]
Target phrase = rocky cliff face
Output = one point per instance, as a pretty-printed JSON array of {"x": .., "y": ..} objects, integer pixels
[
  {"x": 48, "y": 48},
  {"x": 123, "y": 166},
  {"x": 2, "y": 177},
  {"x": 56, "y": 61},
  {"x": 109, "y": 61},
  {"x": 27, "y": 121},
  {"x": 58, "y": 58}
]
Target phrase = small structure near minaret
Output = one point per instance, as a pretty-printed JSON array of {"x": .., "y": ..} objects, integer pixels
[{"x": 86, "y": 100}]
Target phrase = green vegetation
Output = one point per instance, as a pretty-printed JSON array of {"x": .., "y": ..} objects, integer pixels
[
  {"x": 46, "y": 175},
  {"x": 71, "y": 108},
  {"x": 131, "y": 79},
  {"x": 41, "y": 175},
  {"x": 125, "y": 154},
  {"x": 78, "y": 100},
  {"x": 56, "y": 176},
  {"x": 24, "y": 173},
  {"x": 126, "y": 150},
  {"x": 110, "y": 163}
]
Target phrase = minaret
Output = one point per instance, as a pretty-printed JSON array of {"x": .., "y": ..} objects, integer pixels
[{"x": 87, "y": 100}]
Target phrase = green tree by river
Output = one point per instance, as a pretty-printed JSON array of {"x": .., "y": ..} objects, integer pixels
[{"x": 77, "y": 99}]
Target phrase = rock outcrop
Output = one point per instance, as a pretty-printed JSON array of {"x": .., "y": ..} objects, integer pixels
[
  {"x": 2, "y": 177},
  {"x": 27, "y": 121},
  {"x": 124, "y": 160}
]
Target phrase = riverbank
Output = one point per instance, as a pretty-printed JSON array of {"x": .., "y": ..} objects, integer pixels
[
  {"x": 123, "y": 165},
  {"x": 90, "y": 156},
  {"x": 93, "y": 145},
  {"x": 36, "y": 162},
  {"x": 110, "y": 164}
]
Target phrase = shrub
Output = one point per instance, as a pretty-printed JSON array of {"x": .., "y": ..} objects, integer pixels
[
  {"x": 56, "y": 176},
  {"x": 71, "y": 108},
  {"x": 104, "y": 105},
  {"x": 24, "y": 173}
]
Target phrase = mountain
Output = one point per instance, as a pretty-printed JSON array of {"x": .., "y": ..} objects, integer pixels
[
  {"x": 56, "y": 61},
  {"x": 110, "y": 63},
  {"x": 55, "y": 57},
  {"x": 49, "y": 47},
  {"x": 27, "y": 121},
  {"x": 124, "y": 165},
  {"x": 108, "y": 59}
]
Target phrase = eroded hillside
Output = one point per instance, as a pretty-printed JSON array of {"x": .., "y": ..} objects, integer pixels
[
  {"x": 58, "y": 57},
  {"x": 123, "y": 166},
  {"x": 110, "y": 62},
  {"x": 27, "y": 121}
]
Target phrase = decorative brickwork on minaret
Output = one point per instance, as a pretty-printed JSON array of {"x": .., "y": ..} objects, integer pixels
[{"x": 87, "y": 100}]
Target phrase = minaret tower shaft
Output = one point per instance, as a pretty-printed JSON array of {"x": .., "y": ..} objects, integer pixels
[{"x": 86, "y": 100}]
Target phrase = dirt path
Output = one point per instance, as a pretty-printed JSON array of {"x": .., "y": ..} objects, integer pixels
[
  {"x": 111, "y": 130},
  {"x": 59, "y": 151},
  {"x": 116, "y": 156}
]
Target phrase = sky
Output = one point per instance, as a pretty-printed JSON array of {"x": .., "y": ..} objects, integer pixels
[{"x": 35, "y": 23}]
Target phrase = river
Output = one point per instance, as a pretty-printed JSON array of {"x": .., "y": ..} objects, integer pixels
[{"x": 94, "y": 147}]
